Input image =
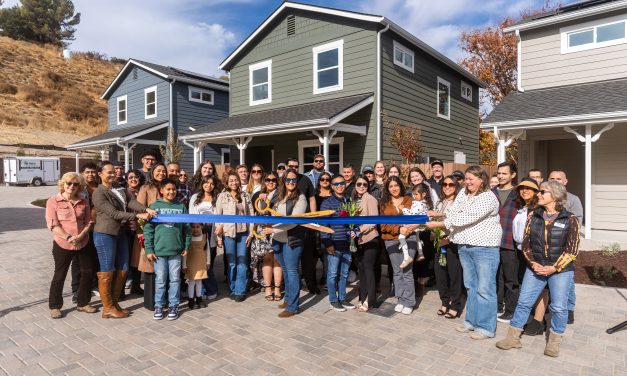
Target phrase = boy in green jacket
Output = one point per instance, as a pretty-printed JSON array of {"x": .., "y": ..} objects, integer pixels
[{"x": 165, "y": 245}]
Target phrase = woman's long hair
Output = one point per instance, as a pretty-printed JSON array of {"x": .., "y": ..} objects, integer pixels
[
  {"x": 454, "y": 181},
  {"x": 284, "y": 194},
  {"x": 264, "y": 189},
  {"x": 326, "y": 173},
  {"x": 418, "y": 170},
  {"x": 152, "y": 182},
  {"x": 385, "y": 171},
  {"x": 196, "y": 180},
  {"x": 386, "y": 197},
  {"x": 251, "y": 182},
  {"x": 354, "y": 195},
  {"x": 239, "y": 186},
  {"x": 479, "y": 172},
  {"x": 214, "y": 193}
]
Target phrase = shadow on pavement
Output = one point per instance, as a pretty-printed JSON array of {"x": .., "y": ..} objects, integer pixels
[{"x": 18, "y": 219}]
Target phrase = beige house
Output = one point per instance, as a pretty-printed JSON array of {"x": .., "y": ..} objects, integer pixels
[{"x": 570, "y": 110}]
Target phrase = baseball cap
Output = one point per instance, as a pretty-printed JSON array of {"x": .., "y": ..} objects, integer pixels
[
  {"x": 458, "y": 175},
  {"x": 367, "y": 168},
  {"x": 437, "y": 161},
  {"x": 281, "y": 165}
]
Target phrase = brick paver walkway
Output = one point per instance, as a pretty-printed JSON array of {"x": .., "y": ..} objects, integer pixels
[{"x": 248, "y": 339}]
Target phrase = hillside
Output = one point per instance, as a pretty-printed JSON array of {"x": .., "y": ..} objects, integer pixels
[{"x": 45, "y": 99}]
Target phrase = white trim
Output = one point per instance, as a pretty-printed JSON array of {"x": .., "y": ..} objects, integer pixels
[
  {"x": 201, "y": 91},
  {"x": 593, "y": 26},
  {"x": 253, "y": 67},
  {"x": 121, "y": 157},
  {"x": 222, "y": 151},
  {"x": 437, "y": 95},
  {"x": 117, "y": 112},
  {"x": 349, "y": 111},
  {"x": 146, "y": 91},
  {"x": 339, "y": 46},
  {"x": 313, "y": 142},
  {"x": 351, "y": 128},
  {"x": 561, "y": 121},
  {"x": 378, "y": 93},
  {"x": 114, "y": 140},
  {"x": 519, "y": 85},
  {"x": 405, "y": 51},
  {"x": 468, "y": 88}
]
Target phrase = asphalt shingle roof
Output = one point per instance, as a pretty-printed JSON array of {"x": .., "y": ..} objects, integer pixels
[
  {"x": 181, "y": 73},
  {"x": 581, "y": 99},
  {"x": 123, "y": 132}
]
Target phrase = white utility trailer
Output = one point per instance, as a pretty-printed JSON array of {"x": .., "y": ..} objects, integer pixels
[{"x": 31, "y": 170}]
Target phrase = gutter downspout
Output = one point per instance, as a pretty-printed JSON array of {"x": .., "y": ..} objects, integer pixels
[
  {"x": 379, "y": 130},
  {"x": 519, "y": 62},
  {"x": 174, "y": 133}
]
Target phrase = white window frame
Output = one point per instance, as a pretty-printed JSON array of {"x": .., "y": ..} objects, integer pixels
[
  {"x": 593, "y": 25},
  {"x": 437, "y": 95},
  {"x": 117, "y": 113},
  {"x": 146, "y": 91},
  {"x": 254, "y": 67},
  {"x": 468, "y": 87},
  {"x": 339, "y": 45},
  {"x": 201, "y": 91},
  {"x": 405, "y": 51},
  {"x": 302, "y": 144},
  {"x": 225, "y": 150},
  {"x": 120, "y": 157}
]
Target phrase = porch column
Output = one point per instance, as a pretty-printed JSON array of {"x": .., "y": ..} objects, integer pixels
[
  {"x": 102, "y": 154},
  {"x": 78, "y": 154},
  {"x": 242, "y": 143},
  {"x": 503, "y": 140},
  {"x": 198, "y": 153},
  {"x": 325, "y": 139}
]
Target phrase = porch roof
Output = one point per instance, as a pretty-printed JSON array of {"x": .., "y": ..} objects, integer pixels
[
  {"x": 120, "y": 135},
  {"x": 590, "y": 103},
  {"x": 303, "y": 117}
]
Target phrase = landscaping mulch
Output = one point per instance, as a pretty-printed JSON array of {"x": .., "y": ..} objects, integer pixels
[{"x": 586, "y": 261}]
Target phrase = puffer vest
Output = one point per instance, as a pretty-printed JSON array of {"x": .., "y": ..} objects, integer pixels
[{"x": 547, "y": 246}]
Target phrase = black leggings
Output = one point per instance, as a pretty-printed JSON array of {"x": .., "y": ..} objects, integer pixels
[
  {"x": 367, "y": 258},
  {"x": 449, "y": 279},
  {"x": 62, "y": 259}
]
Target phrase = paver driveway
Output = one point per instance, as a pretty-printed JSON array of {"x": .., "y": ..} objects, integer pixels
[{"x": 248, "y": 339}]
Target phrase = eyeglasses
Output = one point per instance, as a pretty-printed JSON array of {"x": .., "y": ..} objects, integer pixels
[
  {"x": 290, "y": 180},
  {"x": 339, "y": 184},
  {"x": 361, "y": 184},
  {"x": 270, "y": 180},
  {"x": 73, "y": 184},
  {"x": 256, "y": 171},
  {"x": 451, "y": 185},
  {"x": 319, "y": 161}
]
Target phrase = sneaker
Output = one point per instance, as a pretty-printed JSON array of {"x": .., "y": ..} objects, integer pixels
[
  {"x": 95, "y": 292},
  {"x": 239, "y": 298},
  {"x": 352, "y": 277},
  {"x": 398, "y": 308},
  {"x": 478, "y": 336},
  {"x": 407, "y": 310},
  {"x": 505, "y": 318},
  {"x": 500, "y": 310},
  {"x": 173, "y": 313},
  {"x": 158, "y": 315},
  {"x": 347, "y": 304},
  {"x": 406, "y": 262},
  {"x": 462, "y": 329},
  {"x": 55, "y": 313},
  {"x": 212, "y": 296},
  {"x": 338, "y": 306},
  {"x": 571, "y": 317},
  {"x": 128, "y": 284}
]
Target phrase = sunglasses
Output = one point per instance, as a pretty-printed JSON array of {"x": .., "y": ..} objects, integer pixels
[
  {"x": 451, "y": 185},
  {"x": 270, "y": 180},
  {"x": 339, "y": 184},
  {"x": 73, "y": 184},
  {"x": 290, "y": 180},
  {"x": 361, "y": 184},
  {"x": 256, "y": 171},
  {"x": 325, "y": 179},
  {"x": 319, "y": 161},
  {"x": 542, "y": 192}
]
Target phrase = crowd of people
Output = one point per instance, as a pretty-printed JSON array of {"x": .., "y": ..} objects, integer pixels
[{"x": 500, "y": 249}]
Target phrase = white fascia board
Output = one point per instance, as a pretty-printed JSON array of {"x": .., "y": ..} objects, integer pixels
[
  {"x": 204, "y": 84},
  {"x": 128, "y": 63},
  {"x": 84, "y": 145},
  {"x": 560, "y": 121},
  {"x": 604, "y": 8},
  {"x": 349, "y": 111},
  {"x": 145, "y": 131},
  {"x": 260, "y": 130}
]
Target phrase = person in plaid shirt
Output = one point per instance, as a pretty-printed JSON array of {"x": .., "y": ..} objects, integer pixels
[
  {"x": 512, "y": 265},
  {"x": 183, "y": 193}
]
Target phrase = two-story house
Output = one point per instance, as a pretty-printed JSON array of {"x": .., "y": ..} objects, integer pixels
[
  {"x": 312, "y": 79},
  {"x": 570, "y": 110},
  {"x": 147, "y": 99}
]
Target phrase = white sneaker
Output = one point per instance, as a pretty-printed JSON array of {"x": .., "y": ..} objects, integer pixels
[
  {"x": 352, "y": 277},
  {"x": 212, "y": 296},
  {"x": 406, "y": 262},
  {"x": 407, "y": 310},
  {"x": 127, "y": 285},
  {"x": 95, "y": 293},
  {"x": 398, "y": 308}
]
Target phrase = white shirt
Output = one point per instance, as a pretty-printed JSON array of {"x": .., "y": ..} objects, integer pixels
[
  {"x": 518, "y": 227},
  {"x": 474, "y": 220}
]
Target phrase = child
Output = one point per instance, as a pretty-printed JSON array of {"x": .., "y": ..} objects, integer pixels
[
  {"x": 165, "y": 243},
  {"x": 420, "y": 205},
  {"x": 196, "y": 264}
]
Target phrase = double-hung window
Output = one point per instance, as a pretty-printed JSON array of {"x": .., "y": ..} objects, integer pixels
[
  {"x": 403, "y": 57},
  {"x": 150, "y": 98},
  {"x": 466, "y": 91},
  {"x": 328, "y": 69},
  {"x": 444, "y": 99},
  {"x": 200, "y": 95},
  {"x": 260, "y": 82},
  {"x": 603, "y": 33},
  {"x": 121, "y": 110}
]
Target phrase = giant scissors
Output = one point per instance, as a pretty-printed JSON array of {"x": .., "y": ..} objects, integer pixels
[{"x": 263, "y": 206}]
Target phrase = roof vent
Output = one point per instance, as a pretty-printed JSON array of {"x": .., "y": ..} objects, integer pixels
[
  {"x": 291, "y": 25},
  {"x": 135, "y": 73}
]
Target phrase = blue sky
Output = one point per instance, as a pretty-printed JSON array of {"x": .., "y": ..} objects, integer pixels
[{"x": 198, "y": 34}]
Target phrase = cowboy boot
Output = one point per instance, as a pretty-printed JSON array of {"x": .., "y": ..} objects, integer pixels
[
  {"x": 119, "y": 280},
  {"x": 512, "y": 340},
  {"x": 552, "y": 348},
  {"x": 104, "y": 286}
]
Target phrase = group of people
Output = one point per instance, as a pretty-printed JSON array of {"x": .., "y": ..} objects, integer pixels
[{"x": 497, "y": 249}]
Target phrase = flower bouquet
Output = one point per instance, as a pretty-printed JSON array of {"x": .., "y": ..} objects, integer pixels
[
  {"x": 350, "y": 209},
  {"x": 438, "y": 235}
]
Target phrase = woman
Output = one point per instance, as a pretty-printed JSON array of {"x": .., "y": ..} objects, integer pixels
[
  {"x": 380, "y": 174},
  {"x": 134, "y": 179},
  {"x": 288, "y": 241},
  {"x": 270, "y": 267},
  {"x": 204, "y": 202},
  {"x": 448, "y": 277},
  {"x": 237, "y": 236},
  {"x": 111, "y": 203},
  {"x": 206, "y": 168},
  {"x": 494, "y": 181},
  {"x": 323, "y": 190},
  {"x": 68, "y": 217},
  {"x": 473, "y": 223},
  {"x": 393, "y": 202},
  {"x": 255, "y": 183},
  {"x": 393, "y": 170},
  {"x": 417, "y": 176},
  {"x": 183, "y": 178},
  {"x": 368, "y": 246},
  {"x": 148, "y": 195},
  {"x": 550, "y": 245}
]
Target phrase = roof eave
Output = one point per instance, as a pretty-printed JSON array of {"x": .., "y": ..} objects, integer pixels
[{"x": 560, "y": 121}]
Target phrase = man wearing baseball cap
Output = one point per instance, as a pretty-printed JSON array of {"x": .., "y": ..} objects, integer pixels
[{"x": 437, "y": 174}]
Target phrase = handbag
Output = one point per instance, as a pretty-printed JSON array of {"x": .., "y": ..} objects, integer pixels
[{"x": 261, "y": 247}]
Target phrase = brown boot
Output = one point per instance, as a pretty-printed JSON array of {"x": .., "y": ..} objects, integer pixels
[
  {"x": 512, "y": 340},
  {"x": 104, "y": 287},
  {"x": 119, "y": 280},
  {"x": 552, "y": 348}
]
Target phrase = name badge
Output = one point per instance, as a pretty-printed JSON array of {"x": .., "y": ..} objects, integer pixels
[{"x": 560, "y": 225}]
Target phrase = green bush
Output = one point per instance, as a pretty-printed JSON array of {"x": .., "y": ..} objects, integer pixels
[{"x": 610, "y": 250}]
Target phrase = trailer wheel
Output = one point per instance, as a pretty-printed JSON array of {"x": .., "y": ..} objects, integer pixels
[{"x": 37, "y": 182}]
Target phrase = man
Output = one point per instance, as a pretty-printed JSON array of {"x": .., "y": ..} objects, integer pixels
[
  {"x": 536, "y": 175},
  {"x": 242, "y": 172},
  {"x": 437, "y": 174},
  {"x": 459, "y": 176},
  {"x": 573, "y": 205},
  {"x": 149, "y": 158},
  {"x": 318, "y": 168},
  {"x": 280, "y": 169},
  {"x": 509, "y": 275},
  {"x": 373, "y": 189},
  {"x": 349, "y": 177},
  {"x": 183, "y": 193},
  {"x": 119, "y": 174}
]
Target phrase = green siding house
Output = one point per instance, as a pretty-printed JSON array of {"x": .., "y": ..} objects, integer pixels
[{"x": 314, "y": 80}]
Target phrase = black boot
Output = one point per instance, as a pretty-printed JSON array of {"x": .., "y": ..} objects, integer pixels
[
  {"x": 391, "y": 293},
  {"x": 571, "y": 317},
  {"x": 534, "y": 328},
  {"x": 199, "y": 302},
  {"x": 190, "y": 303}
]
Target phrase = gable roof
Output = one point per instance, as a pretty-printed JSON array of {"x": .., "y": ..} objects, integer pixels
[
  {"x": 122, "y": 134},
  {"x": 228, "y": 63},
  {"x": 168, "y": 73}
]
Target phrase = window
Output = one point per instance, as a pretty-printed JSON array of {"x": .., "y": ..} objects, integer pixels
[
  {"x": 120, "y": 157},
  {"x": 403, "y": 57},
  {"x": 444, "y": 99},
  {"x": 466, "y": 91},
  {"x": 328, "y": 68},
  {"x": 226, "y": 156},
  {"x": 260, "y": 82},
  {"x": 122, "y": 109},
  {"x": 607, "y": 32},
  {"x": 308, "y": 148},
  {"x": 200, "y": 95},
  {"x": 150, "y": 96}
]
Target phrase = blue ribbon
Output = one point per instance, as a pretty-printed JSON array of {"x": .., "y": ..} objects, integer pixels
[{"x": 358, "y": 220}]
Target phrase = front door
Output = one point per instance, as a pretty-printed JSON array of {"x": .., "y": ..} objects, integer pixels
[{"x": 261, "y": 155}]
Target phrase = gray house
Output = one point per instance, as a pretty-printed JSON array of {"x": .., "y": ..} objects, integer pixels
[
  {"x": 146, "y": 99},
  {"x": 570, "y": 110},
  {"x": 314, "y": 80}
]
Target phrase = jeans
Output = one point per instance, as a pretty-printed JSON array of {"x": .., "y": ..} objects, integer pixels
[
  {"x": 210, "y": 284},
  {"x": 532, "y": 286},
  {"x": 366, "y": 258},
  {"x": 237, "y": 257},
  {"x": 404, "y": 288},
  {"x": 480, "y": 265},
  {"x": 337, "y": 274},
  {"x": 289, "y": 258},
  {"x": 62, "y": 259},
  {"x": 112, "y": 251},
  {"x": 572, "y": 298},
  {"x": 449, "y": 279},
  {"x": 168, "y": 267}
]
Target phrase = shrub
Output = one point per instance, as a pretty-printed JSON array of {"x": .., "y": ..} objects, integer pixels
[
  {"x": 92, "y": 55},
  {"x": 53, "y": 81},
  {"x": 610, "y": 250},
  {"x": 7, "y": 88},
  {"x": 117, "y": 60},
  {"x": 32, "y": 93},
  {"x": 603, "y": 273}
]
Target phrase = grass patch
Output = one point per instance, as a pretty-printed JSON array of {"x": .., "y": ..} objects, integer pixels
[{"x": 41, "y": 202}]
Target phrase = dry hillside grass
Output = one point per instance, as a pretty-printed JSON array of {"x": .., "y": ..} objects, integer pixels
[{"x": 41, "y": 92}]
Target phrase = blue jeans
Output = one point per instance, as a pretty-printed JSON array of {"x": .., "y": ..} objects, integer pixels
[
  {"x": 237, "y": 257},
  {"x": 337, "y": 274},
  {"x": 532, "y": 286},
  {"x": 289, "y": 259},
  {"x": 112, "y": 251},
  {"x": 168, "y": 267},
  {"x": 480, "y": 265},
  {"x": 572, "y": 298}
]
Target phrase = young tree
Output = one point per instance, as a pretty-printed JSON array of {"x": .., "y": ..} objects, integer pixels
[{"x": 405, "y": 138}]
